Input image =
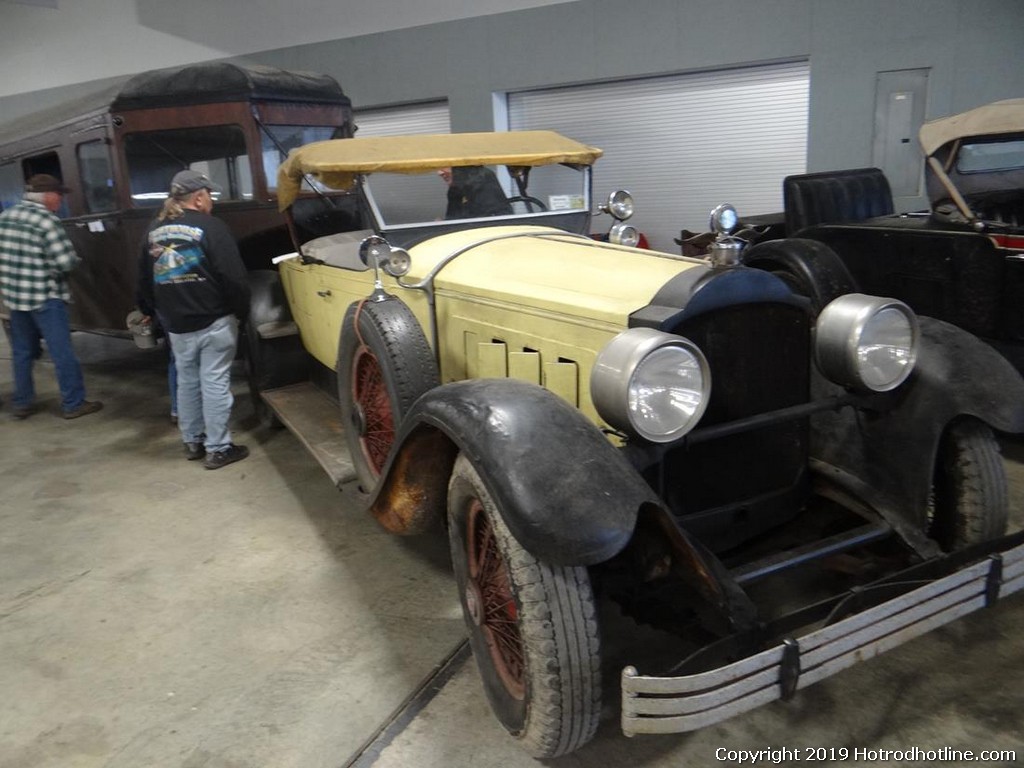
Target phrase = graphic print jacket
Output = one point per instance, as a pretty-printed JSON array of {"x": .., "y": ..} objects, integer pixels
[{"x": 191, "y": 273}]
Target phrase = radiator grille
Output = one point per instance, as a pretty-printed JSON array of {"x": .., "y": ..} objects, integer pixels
[{"x": 759, "y": 358}]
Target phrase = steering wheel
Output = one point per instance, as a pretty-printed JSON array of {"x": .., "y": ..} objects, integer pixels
[{"x": 529, "y": 202}]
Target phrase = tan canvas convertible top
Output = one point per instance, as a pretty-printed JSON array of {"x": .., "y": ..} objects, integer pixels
[
  {"x": 337, "y": 162},
  {"x": 998, "y": 117}
]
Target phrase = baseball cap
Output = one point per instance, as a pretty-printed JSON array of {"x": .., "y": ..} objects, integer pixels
[
  {"x": 44, "y": 182},
  {"x": 185, "y": 182}
]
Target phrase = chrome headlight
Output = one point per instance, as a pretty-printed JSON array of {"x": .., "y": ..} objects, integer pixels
[
  {"x": 624, "y": 234},
  {"x": 651, "y": 384},
  {"x": 866, "y": 343}
]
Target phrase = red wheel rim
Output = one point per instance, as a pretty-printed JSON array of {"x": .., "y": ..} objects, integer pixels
[
  {"x": 497, "y": 612},
  {"x": 371, "y": 396}
]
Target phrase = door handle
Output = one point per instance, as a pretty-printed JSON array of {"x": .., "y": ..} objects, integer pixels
[{"x": 325, "y": 294}]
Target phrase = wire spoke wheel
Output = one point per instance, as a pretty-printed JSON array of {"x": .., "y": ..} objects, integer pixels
[
  {"x": 532, "y": 625},
  {"x": 384, "y": 365},
  {"x": 370, "y": 394},
  {"x": 497, "y": 613}
]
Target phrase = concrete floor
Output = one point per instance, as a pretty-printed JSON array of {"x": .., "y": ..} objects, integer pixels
[{"x": 155, "y": 614}]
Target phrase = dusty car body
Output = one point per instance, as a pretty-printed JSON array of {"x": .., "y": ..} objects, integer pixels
[
  {"x": 593, "y": 420},
  {"x": 118, "y": 149},
  {"x": 962, "y": 260}
]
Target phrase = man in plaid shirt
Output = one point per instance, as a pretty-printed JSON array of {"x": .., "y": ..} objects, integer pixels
[{"x": 35, "y": 257}]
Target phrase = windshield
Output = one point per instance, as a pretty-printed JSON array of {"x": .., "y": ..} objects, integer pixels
[
  {"x": 476, "y": 192},
  {"x": 278, "y": 140},
  {"x": 216, "y": 150},
  {"x": 991, "y": 156}
]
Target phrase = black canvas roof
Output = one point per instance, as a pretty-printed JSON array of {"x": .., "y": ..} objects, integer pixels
[
  {"x": 203, "y": 83},
  {"x": 225, "y": 81}
]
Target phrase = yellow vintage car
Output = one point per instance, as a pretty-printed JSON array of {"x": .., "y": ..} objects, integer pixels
[{"x": 695, "y": 440}]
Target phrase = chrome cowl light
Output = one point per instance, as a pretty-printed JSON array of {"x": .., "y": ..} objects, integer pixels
[
  {"x": 620, "y": 205},
  {"x": 650, "y": 384},
  {"x": 624, "y": 234},
  {"x": 866, "y": 343},
  {"x": 375, "y": 251}
]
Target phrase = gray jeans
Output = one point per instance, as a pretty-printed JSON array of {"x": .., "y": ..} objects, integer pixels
[{"x": 203, "y": 359}]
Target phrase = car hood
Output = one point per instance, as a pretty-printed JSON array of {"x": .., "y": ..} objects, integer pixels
[{"x": 546, "y": 269}]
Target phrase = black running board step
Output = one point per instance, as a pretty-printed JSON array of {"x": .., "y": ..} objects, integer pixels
[{"x": 315, "y": 420}]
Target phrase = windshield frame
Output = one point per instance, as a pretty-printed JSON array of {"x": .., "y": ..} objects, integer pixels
[{"x": 576, "y": 220}]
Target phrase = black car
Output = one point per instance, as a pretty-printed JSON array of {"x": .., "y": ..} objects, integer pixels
[{"x": 962, "y": 261}]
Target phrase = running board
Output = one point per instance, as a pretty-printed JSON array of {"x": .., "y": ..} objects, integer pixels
[{"x": 316, "y": 421}]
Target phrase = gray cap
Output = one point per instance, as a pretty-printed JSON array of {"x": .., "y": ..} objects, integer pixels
[{"x": 187, "y": 182}]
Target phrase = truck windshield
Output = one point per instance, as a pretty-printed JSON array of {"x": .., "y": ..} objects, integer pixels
[
  {"x": 279, "y": 140},
  {"x": 216, "y": 150}
]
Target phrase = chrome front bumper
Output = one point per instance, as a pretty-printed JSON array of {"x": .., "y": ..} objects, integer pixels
[{"x": 678, "y": 704}]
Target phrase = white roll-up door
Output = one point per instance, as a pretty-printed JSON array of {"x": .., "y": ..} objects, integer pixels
[
  {"x": 682, "y": 144},
  {"x": 432, "y": 117}
]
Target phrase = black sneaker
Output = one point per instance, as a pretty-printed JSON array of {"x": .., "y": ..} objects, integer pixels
[
  {"x": 229, "y": 455},
  {"x": 194, "y": 451},
  {"x": 87, "y": 407}
]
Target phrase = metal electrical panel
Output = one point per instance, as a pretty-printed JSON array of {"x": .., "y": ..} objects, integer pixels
[{"x": 899, "y": 111}]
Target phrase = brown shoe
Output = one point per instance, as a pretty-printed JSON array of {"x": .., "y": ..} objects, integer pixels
[
  {"x": 87, "y": 407},
  {"x": 23, "y": 413}
]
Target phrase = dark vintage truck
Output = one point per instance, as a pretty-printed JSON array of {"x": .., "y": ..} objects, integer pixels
[{"x": 118, "y": 149}]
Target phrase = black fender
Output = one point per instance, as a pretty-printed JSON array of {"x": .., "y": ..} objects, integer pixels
[
  {"x": 887, "y": 452},
  {"x": 810, "y": 268},
  {"x": 565, "y": 492}
]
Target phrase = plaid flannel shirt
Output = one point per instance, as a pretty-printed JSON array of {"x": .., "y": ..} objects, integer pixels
[{"x": 35, "y": 257}]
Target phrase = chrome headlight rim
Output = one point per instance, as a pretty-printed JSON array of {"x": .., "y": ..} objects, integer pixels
[
  {"x": 616, "y": 375},
  {"x": 843, "y": 348}
]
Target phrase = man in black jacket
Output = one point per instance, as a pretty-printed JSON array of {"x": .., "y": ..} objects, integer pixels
[{"x": 191, "y": 274}]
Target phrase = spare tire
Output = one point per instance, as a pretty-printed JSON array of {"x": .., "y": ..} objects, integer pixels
[
  {"x": 384, "y": 365},
  {"x": 810, "y": 268}
]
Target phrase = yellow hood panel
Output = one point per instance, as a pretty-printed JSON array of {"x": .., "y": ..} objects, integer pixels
[{"x": 548, "y": 270}]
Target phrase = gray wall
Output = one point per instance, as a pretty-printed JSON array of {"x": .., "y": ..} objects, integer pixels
[{"x": 972, "y": 48}]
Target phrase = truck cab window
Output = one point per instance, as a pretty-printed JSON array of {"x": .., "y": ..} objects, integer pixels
[
  {"x": 47, "y": 162},
  {"x": 218, "y": 151},
  {"x": 97, "y": 177},
  {"x": 12, "y": 185}
]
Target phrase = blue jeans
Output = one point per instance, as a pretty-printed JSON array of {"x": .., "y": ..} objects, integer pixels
[
  {"x": 203, "y": 361},
  {"x": 49, "y": 323},
  {"x": 172, "y": 379}
]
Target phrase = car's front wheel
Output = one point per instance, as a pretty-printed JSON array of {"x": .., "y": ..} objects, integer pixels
[
  {"x": 969, "y": 491},
  {"x": 533, "y": 626},
  {"x": 384, "y": 365}
]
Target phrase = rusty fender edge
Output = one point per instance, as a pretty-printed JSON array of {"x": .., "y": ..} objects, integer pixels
[
  {"x": 566, "y": 493},
  {"x": 677, "y": 704}
]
